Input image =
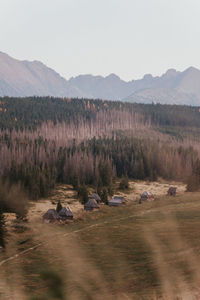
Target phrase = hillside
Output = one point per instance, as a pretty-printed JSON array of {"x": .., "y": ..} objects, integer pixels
[
  {"x": 149, "y": 251},
  {"x": 25, "y": 78},
  {"x": 45, "y": 141},
  {"x": 65, "y": 149},
  {"x": 171, "y": 88},
  {"x": 32, "y": 112}
]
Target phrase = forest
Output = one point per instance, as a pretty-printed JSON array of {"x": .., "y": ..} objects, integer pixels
[
  {"x": 29, "y": 113},
  {"x": 45, "y": 141}
]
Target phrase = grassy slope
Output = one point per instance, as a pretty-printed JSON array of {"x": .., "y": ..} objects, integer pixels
[{"x": 143, "y": 251}]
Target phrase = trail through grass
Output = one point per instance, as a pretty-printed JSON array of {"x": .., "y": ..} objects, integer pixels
[{"x": 148, "y": 251}]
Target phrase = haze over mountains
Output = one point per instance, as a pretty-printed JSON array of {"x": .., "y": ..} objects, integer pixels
[{"x": 25, "y": 78}]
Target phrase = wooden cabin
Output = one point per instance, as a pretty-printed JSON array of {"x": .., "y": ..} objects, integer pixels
[
  {"x": 96, "y": 197},
  {"x": 91, "y": 204},
  {"x": 51, "y": 216},
  {"x": 66, "y": 214},
  {"x": 146, "y": 196},
  {"x": 116, "y": 201}
]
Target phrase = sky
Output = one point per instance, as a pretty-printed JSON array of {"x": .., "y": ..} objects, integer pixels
[{"x": 127, "y": 37}]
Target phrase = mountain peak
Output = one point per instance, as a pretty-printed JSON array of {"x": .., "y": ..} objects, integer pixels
[
  {"x": 3, "y": 53},
  {"x": 113, "y": 76},
  {"x": 170, "y": 73},
  {"x": 148, "y": 77},
  {"x": 192, "y": 70},
  {"x": 28, "y": 78}
]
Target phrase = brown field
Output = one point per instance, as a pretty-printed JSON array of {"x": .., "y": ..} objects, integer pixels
[
  {"x": 67, "y": 196},
  {"x": 147, "y": 251}
]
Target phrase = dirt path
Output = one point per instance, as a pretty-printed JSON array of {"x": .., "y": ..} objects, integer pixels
[{"x": 63, "y": 235}]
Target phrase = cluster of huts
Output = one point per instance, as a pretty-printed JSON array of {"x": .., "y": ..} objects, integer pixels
[
  {"x": 148, "y": 196},
  {"x": 65, "y": 214},
  {"x": 93, "y": 203},
  {"x": 53, "y": 215}
]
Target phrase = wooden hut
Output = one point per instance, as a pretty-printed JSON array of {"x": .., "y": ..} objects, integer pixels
[
  {"x": 96, "y": 197},
  {"x": 51, "y": 216},
  {"x": 116, "y": 201},
  {"x": 172, "y": 191},
  {"x": 146, "y": 196},
  {"x": 66, "y": 214},
  {"x": 91, "y": 204}
]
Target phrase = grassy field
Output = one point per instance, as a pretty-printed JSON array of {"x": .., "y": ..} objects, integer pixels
[{"x": 147, "y": 251}]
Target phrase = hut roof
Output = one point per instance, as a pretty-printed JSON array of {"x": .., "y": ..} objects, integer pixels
[
  {"x": 65, "y": 212},
  {"x": 114, "y": 202},
  {"x": 51, "y": 214},
  {"x": 147, "y": 195},
  {"x": 117, "y": 200},
  {"x": 95, "y": 196},
  {"x": 92, "y": 203}
]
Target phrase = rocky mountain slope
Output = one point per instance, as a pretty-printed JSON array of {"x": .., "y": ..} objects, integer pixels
[
  {"x": 25, "y": 78},
  {"x": 172, "y": 88}
]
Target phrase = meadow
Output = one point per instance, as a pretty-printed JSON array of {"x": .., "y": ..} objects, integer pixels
[{"x": 138, "y": 251}]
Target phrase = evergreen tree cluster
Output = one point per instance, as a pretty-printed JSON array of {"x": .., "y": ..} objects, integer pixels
[
  {"x": 97, "y": 162},
  {"x": 31, "y": 112},
  {"x": 38, "y": 180},
  {"x": 47, "y": 140}
]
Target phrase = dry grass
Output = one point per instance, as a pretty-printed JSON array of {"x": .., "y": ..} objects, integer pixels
[
  {"x": 68, "y": 196},
  {"x": 148, "y": 251}
]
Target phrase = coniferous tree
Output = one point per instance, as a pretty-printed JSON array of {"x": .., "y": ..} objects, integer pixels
[
  {"x": 59, "y": 206},
  {"x": 193, "y": 182},
  {"x": 104, "y": 196},
  {"x": 74, "y": 180},
  {"x": 83, "y": 194}
]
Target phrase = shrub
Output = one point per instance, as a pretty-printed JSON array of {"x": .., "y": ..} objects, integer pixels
[
  {"x": 124, "y": 184},
  {"x": 83, "y": 194}
]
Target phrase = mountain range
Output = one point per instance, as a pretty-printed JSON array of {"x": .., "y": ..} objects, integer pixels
[{"x": 33, "y": 78}]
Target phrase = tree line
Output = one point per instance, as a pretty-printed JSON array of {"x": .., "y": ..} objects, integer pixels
[
  {"x": 41, "y": 164},
  {"x": 32, "y": 112}
]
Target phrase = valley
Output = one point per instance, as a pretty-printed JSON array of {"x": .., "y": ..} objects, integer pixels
[
  {"x": 99, "y": 150},
  {"x": 62, "y": 151},
  {"x": 128, "y": 252}
]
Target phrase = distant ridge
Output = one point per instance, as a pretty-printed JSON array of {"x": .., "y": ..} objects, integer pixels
[{"x": 25, "y": 78}]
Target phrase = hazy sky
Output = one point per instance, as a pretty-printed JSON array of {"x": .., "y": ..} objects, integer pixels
[{"x": 126, "y": 37}]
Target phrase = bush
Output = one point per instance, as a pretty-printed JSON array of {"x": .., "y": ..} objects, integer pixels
[
  {"x": 124, "y": 184},
  {"x": 83, "y": 194}
]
